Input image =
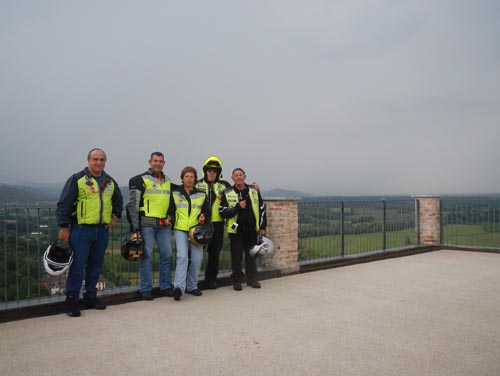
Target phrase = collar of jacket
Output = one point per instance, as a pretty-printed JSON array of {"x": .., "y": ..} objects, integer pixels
[
  {"x": 193, "y": 191},
  {"x": 150, "y": 172},
  {"x": 86, "y": 171}
]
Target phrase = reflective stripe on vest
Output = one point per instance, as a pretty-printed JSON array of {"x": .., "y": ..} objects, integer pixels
[
  {"x": 156, "y": 197},
  {"x": 233, "y": 199},
  {"x": 93, "y": 206},
  {"x": 186, "y": 213}
]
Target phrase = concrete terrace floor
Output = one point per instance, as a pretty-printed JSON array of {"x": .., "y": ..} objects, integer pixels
[{"x": 435, "y": 313}]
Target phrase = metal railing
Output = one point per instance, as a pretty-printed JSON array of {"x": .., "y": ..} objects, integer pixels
[
  {"x": 25, "y": 234},
  {"x": 473, "y": 222},
  {"x": 330, "y": 229}
]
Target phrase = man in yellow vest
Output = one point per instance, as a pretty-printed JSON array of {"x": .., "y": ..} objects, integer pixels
[
  {"x": 89, "y": 205},
  {"x": 213, "y": 187},
  {"x": 147, "y": 213},
  {"x": 243, "y": 208}
]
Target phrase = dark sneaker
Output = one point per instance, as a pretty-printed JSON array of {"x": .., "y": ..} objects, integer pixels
[
  {"x": 167, "y": 292},
  {"x": 72, "y": 309},
  {"x": 94, "y": 303},
  {"x": 212, "y": 285},
  {"x": 147, "y": 295},
  {"x": 195, "y": 292},
  {"x": 237, "y": 286},
  {"x": 177, "y": 293},
  {"x": 254, "y": 284}
]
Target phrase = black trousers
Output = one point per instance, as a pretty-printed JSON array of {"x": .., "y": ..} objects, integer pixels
[
  {"x": 213, "y": 252},
  {"x": 241, "y": 243}
]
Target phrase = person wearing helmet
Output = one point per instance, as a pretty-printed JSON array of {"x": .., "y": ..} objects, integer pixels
[
  {"x": 89, "y": 205},
  {"x": 147, "y": 213},
  {"x": 243, "y": 208},
  {"x": 189, "y": 208},
  {"x": 213, "y": 187}
]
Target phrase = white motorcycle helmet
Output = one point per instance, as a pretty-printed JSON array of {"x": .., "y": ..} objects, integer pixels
[
  {"x": 264, "y": 248},
  {"x": 57, "y": 258}
]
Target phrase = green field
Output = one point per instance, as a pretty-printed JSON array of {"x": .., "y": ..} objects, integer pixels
[
  {"x": 472, "y": 235},
  {"x": 330, "y": 245}
]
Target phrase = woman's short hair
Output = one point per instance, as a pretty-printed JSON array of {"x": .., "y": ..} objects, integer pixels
[{"x": 189, "y": 169}]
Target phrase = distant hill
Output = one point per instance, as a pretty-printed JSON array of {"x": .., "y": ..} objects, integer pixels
[
  {"x": 49, "y": 193},
  {"x": 286, "y": 193},
  {"x": 38, "y": 193},
  {"x": 27, "y": 194}
]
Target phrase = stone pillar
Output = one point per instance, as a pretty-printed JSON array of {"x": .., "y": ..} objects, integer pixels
[
  {"x": 283, "y": 230},
  {"x": 428, "y": 219}
]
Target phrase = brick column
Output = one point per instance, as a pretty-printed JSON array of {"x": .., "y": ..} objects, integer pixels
[
  {"x": 283, "y": 230},
  {"x": 428, "y": 219}
]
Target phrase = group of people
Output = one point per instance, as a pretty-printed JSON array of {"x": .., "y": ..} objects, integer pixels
[{"x": 91, "y": 203}]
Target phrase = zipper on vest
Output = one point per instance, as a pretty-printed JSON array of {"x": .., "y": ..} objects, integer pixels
[{"x": 101, "y": 206}]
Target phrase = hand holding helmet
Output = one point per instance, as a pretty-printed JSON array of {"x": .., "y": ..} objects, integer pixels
[
  {"x": 264, "y": 248},
  {"x": 133, "y": 247},
  {"x": 201, "y": 234},
  {"x": 57, "y": 258},
  {"x": 136, "y": 236}
]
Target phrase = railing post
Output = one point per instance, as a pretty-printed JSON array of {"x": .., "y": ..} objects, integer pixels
[
  {"x": 17, "y": 254},
  {"x": 283, "y": 230},
  {"x": 417, "y": 222},
  {"x": 384, "y": 223},
  {"x": 342, "y": 232},
  {"x": 441, "y": 233},
  {"x": 428, "y": 219}
]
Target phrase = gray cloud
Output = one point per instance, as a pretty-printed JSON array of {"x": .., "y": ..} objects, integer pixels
[{"x": 344, "y": 97}]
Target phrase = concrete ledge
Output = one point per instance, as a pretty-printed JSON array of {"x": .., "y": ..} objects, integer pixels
[
  {"x": 358, "y": 259},
  {"x": 110, "y": 298},
  {"x": 132, "y": 295},
  {"x": 469, "y": 249}
]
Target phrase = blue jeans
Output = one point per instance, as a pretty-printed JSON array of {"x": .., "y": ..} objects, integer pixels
[
  {"x": 187, "y": 268},
  {"x": 89, "y": 244},
  {"x": 163, "y": 237}
]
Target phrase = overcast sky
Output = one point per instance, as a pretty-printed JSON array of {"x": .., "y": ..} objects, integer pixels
[{"x": 326, "y": 97}]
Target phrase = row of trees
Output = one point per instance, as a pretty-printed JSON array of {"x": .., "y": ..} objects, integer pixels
[{"x": 20, "y": 271}]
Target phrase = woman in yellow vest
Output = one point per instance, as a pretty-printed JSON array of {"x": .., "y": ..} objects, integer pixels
[{"x": 189, "y": 208}]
